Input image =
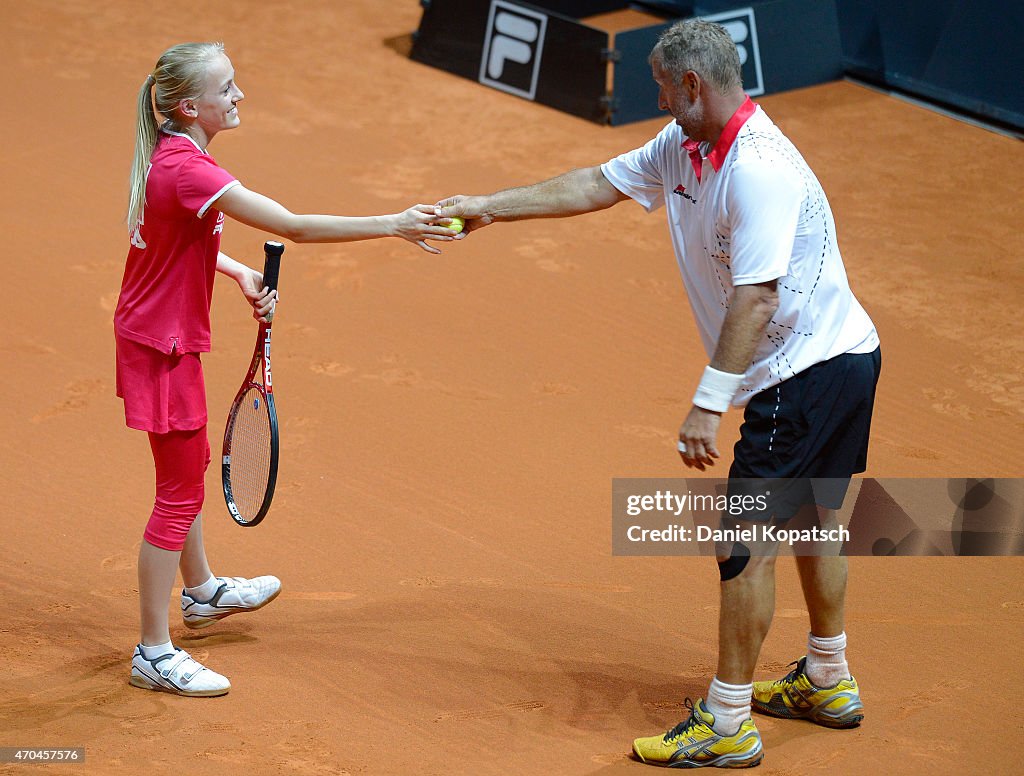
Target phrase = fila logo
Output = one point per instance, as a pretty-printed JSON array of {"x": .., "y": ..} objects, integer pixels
[
  {"x": 219, "y": 227},
  {"x": 513, "y": 45},
  {"x": 681, "y": 191},
  {"x": 739, "y": 23}
]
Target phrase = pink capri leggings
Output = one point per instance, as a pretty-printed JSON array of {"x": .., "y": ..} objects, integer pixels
[{"x": 181, "y": 459}]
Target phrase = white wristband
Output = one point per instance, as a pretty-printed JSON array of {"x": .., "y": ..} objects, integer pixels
[{"x": 716, "y": 389}]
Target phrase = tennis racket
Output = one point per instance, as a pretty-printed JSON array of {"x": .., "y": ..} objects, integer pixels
[{"x": 250, "y": 453}]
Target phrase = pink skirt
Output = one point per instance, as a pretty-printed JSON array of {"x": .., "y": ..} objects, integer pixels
[{"x": 162, "y": 392}]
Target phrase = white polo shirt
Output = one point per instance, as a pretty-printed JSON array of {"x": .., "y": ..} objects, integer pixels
[{"x": 754, "y": 212}]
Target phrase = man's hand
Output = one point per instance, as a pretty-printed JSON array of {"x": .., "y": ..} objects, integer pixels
[
  {"x": 698, "y": 437},
  {"x": 469, "y": 209}
]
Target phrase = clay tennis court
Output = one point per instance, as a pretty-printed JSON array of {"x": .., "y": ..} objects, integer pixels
[{"x": 452, "y": 424}]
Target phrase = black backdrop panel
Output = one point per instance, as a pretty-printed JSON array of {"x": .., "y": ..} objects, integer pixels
[
  {"x": 451, "y": 36},
  {"x": 520, "y": 48}
]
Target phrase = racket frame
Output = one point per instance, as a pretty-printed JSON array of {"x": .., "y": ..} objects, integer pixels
[{"x": 260, "y": 363}]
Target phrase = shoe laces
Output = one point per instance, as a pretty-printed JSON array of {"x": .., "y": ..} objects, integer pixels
[
  {"x": 791, "y": 678},
  {"x": 685, "y": 725},
  {"x": 792, "y": 675}
]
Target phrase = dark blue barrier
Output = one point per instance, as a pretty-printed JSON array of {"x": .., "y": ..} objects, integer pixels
[
  {"x": 968, "y": 56},
  {"x": 783, "y": 44},
  {"x": 541, "y": 51}
]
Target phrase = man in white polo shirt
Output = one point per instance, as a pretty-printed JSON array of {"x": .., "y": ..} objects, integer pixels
[{"x": 756, "y": 245}]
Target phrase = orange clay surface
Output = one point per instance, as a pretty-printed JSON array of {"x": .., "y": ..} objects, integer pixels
[{"x": 451, "y": 424}]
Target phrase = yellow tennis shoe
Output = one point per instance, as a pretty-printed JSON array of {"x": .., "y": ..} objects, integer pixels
[
  {"x": 694, "y": 744},
  {"x": 795, "y": 697}
]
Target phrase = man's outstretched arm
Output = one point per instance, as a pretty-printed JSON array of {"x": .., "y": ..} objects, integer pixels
[{"x": 575, "y": 192}]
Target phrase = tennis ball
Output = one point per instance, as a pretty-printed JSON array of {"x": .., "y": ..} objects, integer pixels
[{"x": 457, "y": 224}]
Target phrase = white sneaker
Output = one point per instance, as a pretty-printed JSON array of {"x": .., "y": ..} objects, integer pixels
[
  {"x": 235, "y": 594},
  {"x": 176, "y": 672}
]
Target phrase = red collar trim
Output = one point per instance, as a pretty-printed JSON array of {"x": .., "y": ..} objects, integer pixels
[
  {"x": 692, "y": 148},
  {"x": 728, "y": 136},
  {"x": 725, "y": 140}
]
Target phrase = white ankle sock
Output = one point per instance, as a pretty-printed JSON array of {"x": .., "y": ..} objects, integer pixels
[
  {"x": 826, "y": 660},
  {"x": 205, "y": 591},
  {"x": 730, "y": 704},
  {"x": 155, "y": 651}
]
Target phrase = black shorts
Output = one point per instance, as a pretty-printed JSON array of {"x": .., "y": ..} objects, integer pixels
[{"x": 812, "y": 427}]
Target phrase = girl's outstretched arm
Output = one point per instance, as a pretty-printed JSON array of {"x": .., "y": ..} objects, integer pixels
[{"x": 417, "y": 224}]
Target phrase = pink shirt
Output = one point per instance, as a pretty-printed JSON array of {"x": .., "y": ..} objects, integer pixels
[{"x": 168, "y": 277}]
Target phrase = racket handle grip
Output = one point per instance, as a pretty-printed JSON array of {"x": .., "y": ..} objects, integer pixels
[{"x": 272, "y": 264}]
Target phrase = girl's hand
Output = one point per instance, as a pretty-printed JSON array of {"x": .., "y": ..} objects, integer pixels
[
  {"x": 419, "y": 224},
  {"x": 262, "y": 299}
]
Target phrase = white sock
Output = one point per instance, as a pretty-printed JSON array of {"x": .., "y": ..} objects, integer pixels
[
  {"x": 826, "y": 660},
  {"x": 205, "y": 591},
  {"x": 155, "y": 651},
  {"x": 730, "y": 705}
]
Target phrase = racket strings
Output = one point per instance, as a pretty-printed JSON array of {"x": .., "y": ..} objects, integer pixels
[{"x": 250, "y": 453}]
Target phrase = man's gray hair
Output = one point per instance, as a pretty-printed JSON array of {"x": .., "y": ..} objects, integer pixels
[{"x": 701, "y": 46}]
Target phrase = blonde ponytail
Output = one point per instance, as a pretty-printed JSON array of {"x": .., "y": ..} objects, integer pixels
[
  {"x": 180, "y": 74},
  {"x": 145, "y": 141}
]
